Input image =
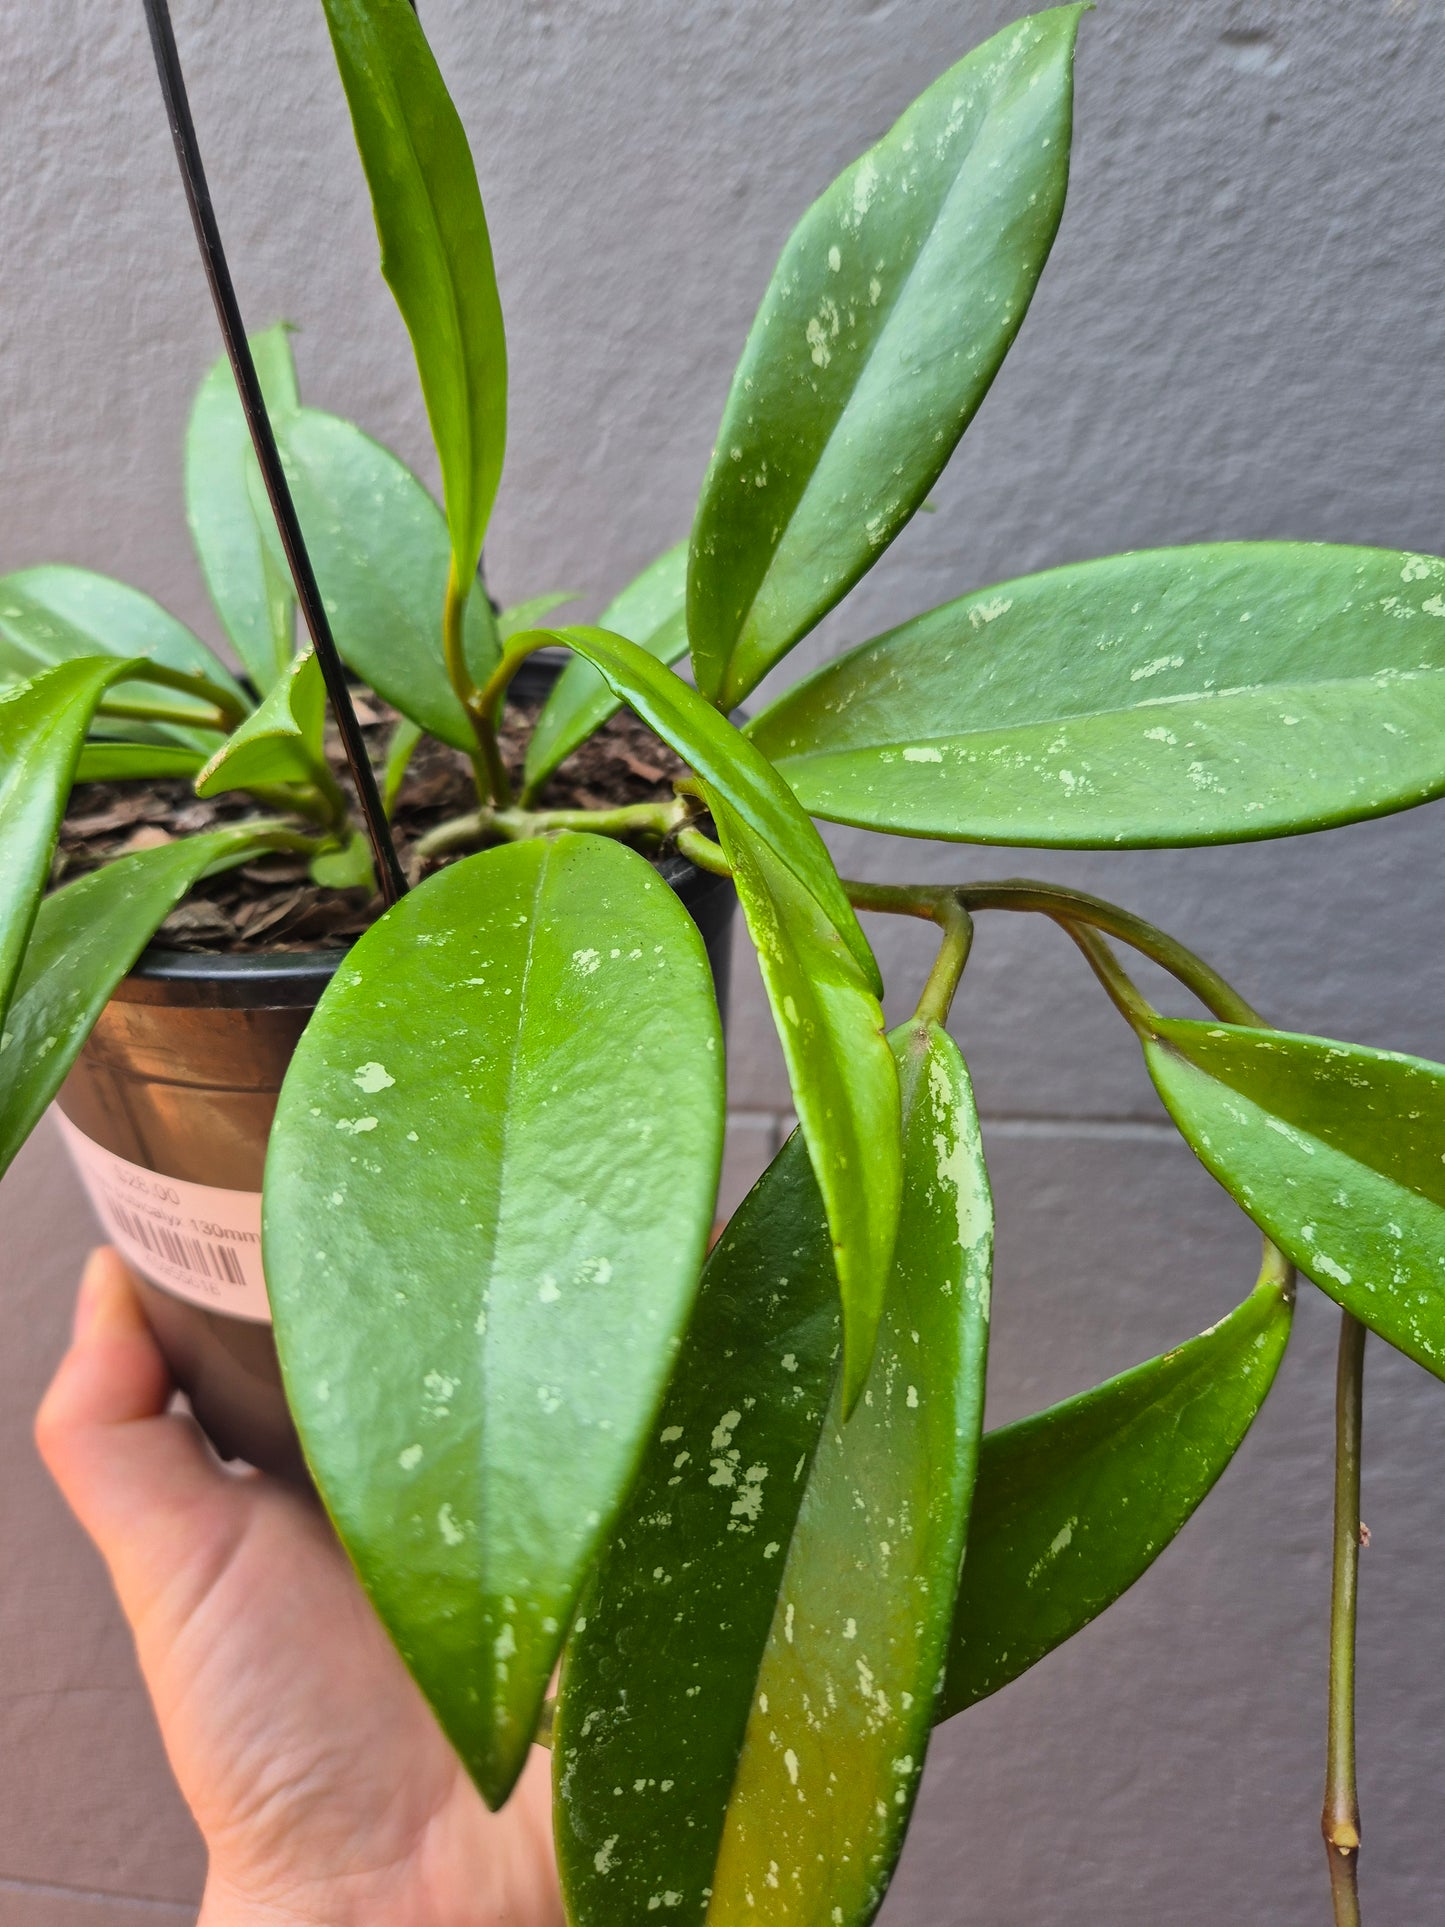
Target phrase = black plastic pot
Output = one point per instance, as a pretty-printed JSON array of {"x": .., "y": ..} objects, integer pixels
[{"x": 179, "y": 1080}]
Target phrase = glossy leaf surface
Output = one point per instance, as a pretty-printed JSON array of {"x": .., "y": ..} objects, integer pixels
[
  {"x": 281, "y": 742},
  {"x": 763, "y": 1642},
  {"x": 379, "y": 547},
  {"x": 1337, "y": 1153},
  {"x": 1193, "y": 695},
  {"x": 887, "y": 318},
  {"x": 435, "y": 250},
  {"x": 845, "y": 1696},
  {"x": 42, "y": 726},
  {"x": 727, "y": 761},
  {"x": 662, "y": 1666},
  {"x": 651, "y": 612},
  {"x": 56, "y": 613},
  {"x": 842, "y": 1074},
  {"x": 253, "y": 598},
  {"x": 488, "y": 1195},
  {"x": 85, "y": 938},
  {"x": 1075, "y": 1503}
]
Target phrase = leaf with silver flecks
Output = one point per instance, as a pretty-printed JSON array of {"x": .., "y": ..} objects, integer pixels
[
  {"x": 488, "y": 1195},
  {"x": 1337, "y": 1153},
  {"x": 760, "y": 1650},
  {"x": 1195, "y": 695},
  {"x": 886, "y": 320}
]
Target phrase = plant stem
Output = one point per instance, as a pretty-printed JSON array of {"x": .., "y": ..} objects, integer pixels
[
  {"x": 702, "y": 851},
  {"x": 300, "y": 801},
  {"x": 1075, "y": 906},
  {"x": 515, "y": 826},
  {"x": 1123, "y": 992},
  {"x": 140, "y": 711},
  {"x": 457, "y": 833},
  {"x": 938, "y": 993},
  {"x": 280, "y": 836},
  {"x": 628, "y": 819},
  {"x": 1340, "y": 1821},
  {"x": 230, "y": 710},
  {"x": 901, "y": 899},
  {"x": 338, "y": 809},
  {"x": 493, "y": 783}
]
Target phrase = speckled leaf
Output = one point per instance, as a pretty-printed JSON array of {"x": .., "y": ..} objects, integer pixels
[
  {"x": 763, "y": 1644},
  {"x": 1335, "y": 1151},
  {"x": 1074, "y": 1504},
  {"x": 85, "y": 939},
  {"x": 252, "y": 597},
  {"x": 845, "y": 1698},
  {"x": 436, "y": 253},
  {"x": 843, "y": 1078},
  {"x": 487, "y": 1199},
  {"x": 662, "y": 1665},
  {"x": 42, "y": 727},
  {"x": 887, "y": 318},
  {"x": 727, "y": 761},
  {"x": 56, "y": 613},
  {"x": 379, "y": 547},
  {"x": 1196, "y": 695},
  {"x": 650, "y": 612},
  {"x": 281, "y": 742}
]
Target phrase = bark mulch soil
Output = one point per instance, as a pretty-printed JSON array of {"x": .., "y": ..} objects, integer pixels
[{"x": 272, "y": 904}]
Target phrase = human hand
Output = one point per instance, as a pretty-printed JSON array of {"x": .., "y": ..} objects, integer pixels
[{"x": 322, "y": 1784}]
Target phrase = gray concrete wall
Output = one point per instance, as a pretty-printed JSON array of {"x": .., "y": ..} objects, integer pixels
[{"x": 1239, "y": 335}]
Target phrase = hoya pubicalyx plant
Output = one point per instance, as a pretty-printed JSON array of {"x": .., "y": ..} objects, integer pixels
[{"x": 741, "y": 1496}]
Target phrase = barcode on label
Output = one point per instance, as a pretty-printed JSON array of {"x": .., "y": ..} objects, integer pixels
[
  {"x": 200, "y": 1242},
  {"x": 191, "y": 1254}
]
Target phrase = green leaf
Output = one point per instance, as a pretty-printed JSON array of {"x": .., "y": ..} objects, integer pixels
[
  {"x": 1076, "y": 1503},
  {"x": 379, "y": 547},
  {"x": 841, "y": 1071},
  {"x": 400, "y": 749},
  {"x": 281, "y": 742},
  {"x": 346, "y": 868},
  {"x": 526, "y": 615},
  {"x": 651, "y": 612},
  {"x": 887, "y": 318},
  {"x": 42, "y": 728},
  {"x": 727, "y": 761},
  {"x": 105, "y": 762},
  {"x": 85, "y": 939},
  {"x": 664, "y": 1657},
  {"x": 480, "y": 1277},
  {"x": 435, "y": 250},
  {"x": 1196, "y": 695},
  {"x": 1337, "y": 1153},
  {"x": 55, "y": 614},
  {"x": 253, "y": 599},
  {"x": 762, "y": 1645}
]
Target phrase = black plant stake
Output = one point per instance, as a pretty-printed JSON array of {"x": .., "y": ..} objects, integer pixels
[{"x": 228, "y": 312}]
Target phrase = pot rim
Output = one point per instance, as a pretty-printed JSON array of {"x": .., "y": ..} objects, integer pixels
[{"x": 278, "y": 978}]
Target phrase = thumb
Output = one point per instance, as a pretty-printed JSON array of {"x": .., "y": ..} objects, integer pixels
[{"x": 140, "y": 1479}]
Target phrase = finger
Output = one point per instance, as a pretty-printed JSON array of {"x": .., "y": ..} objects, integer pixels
[{"x": 139, "y": 1479}]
